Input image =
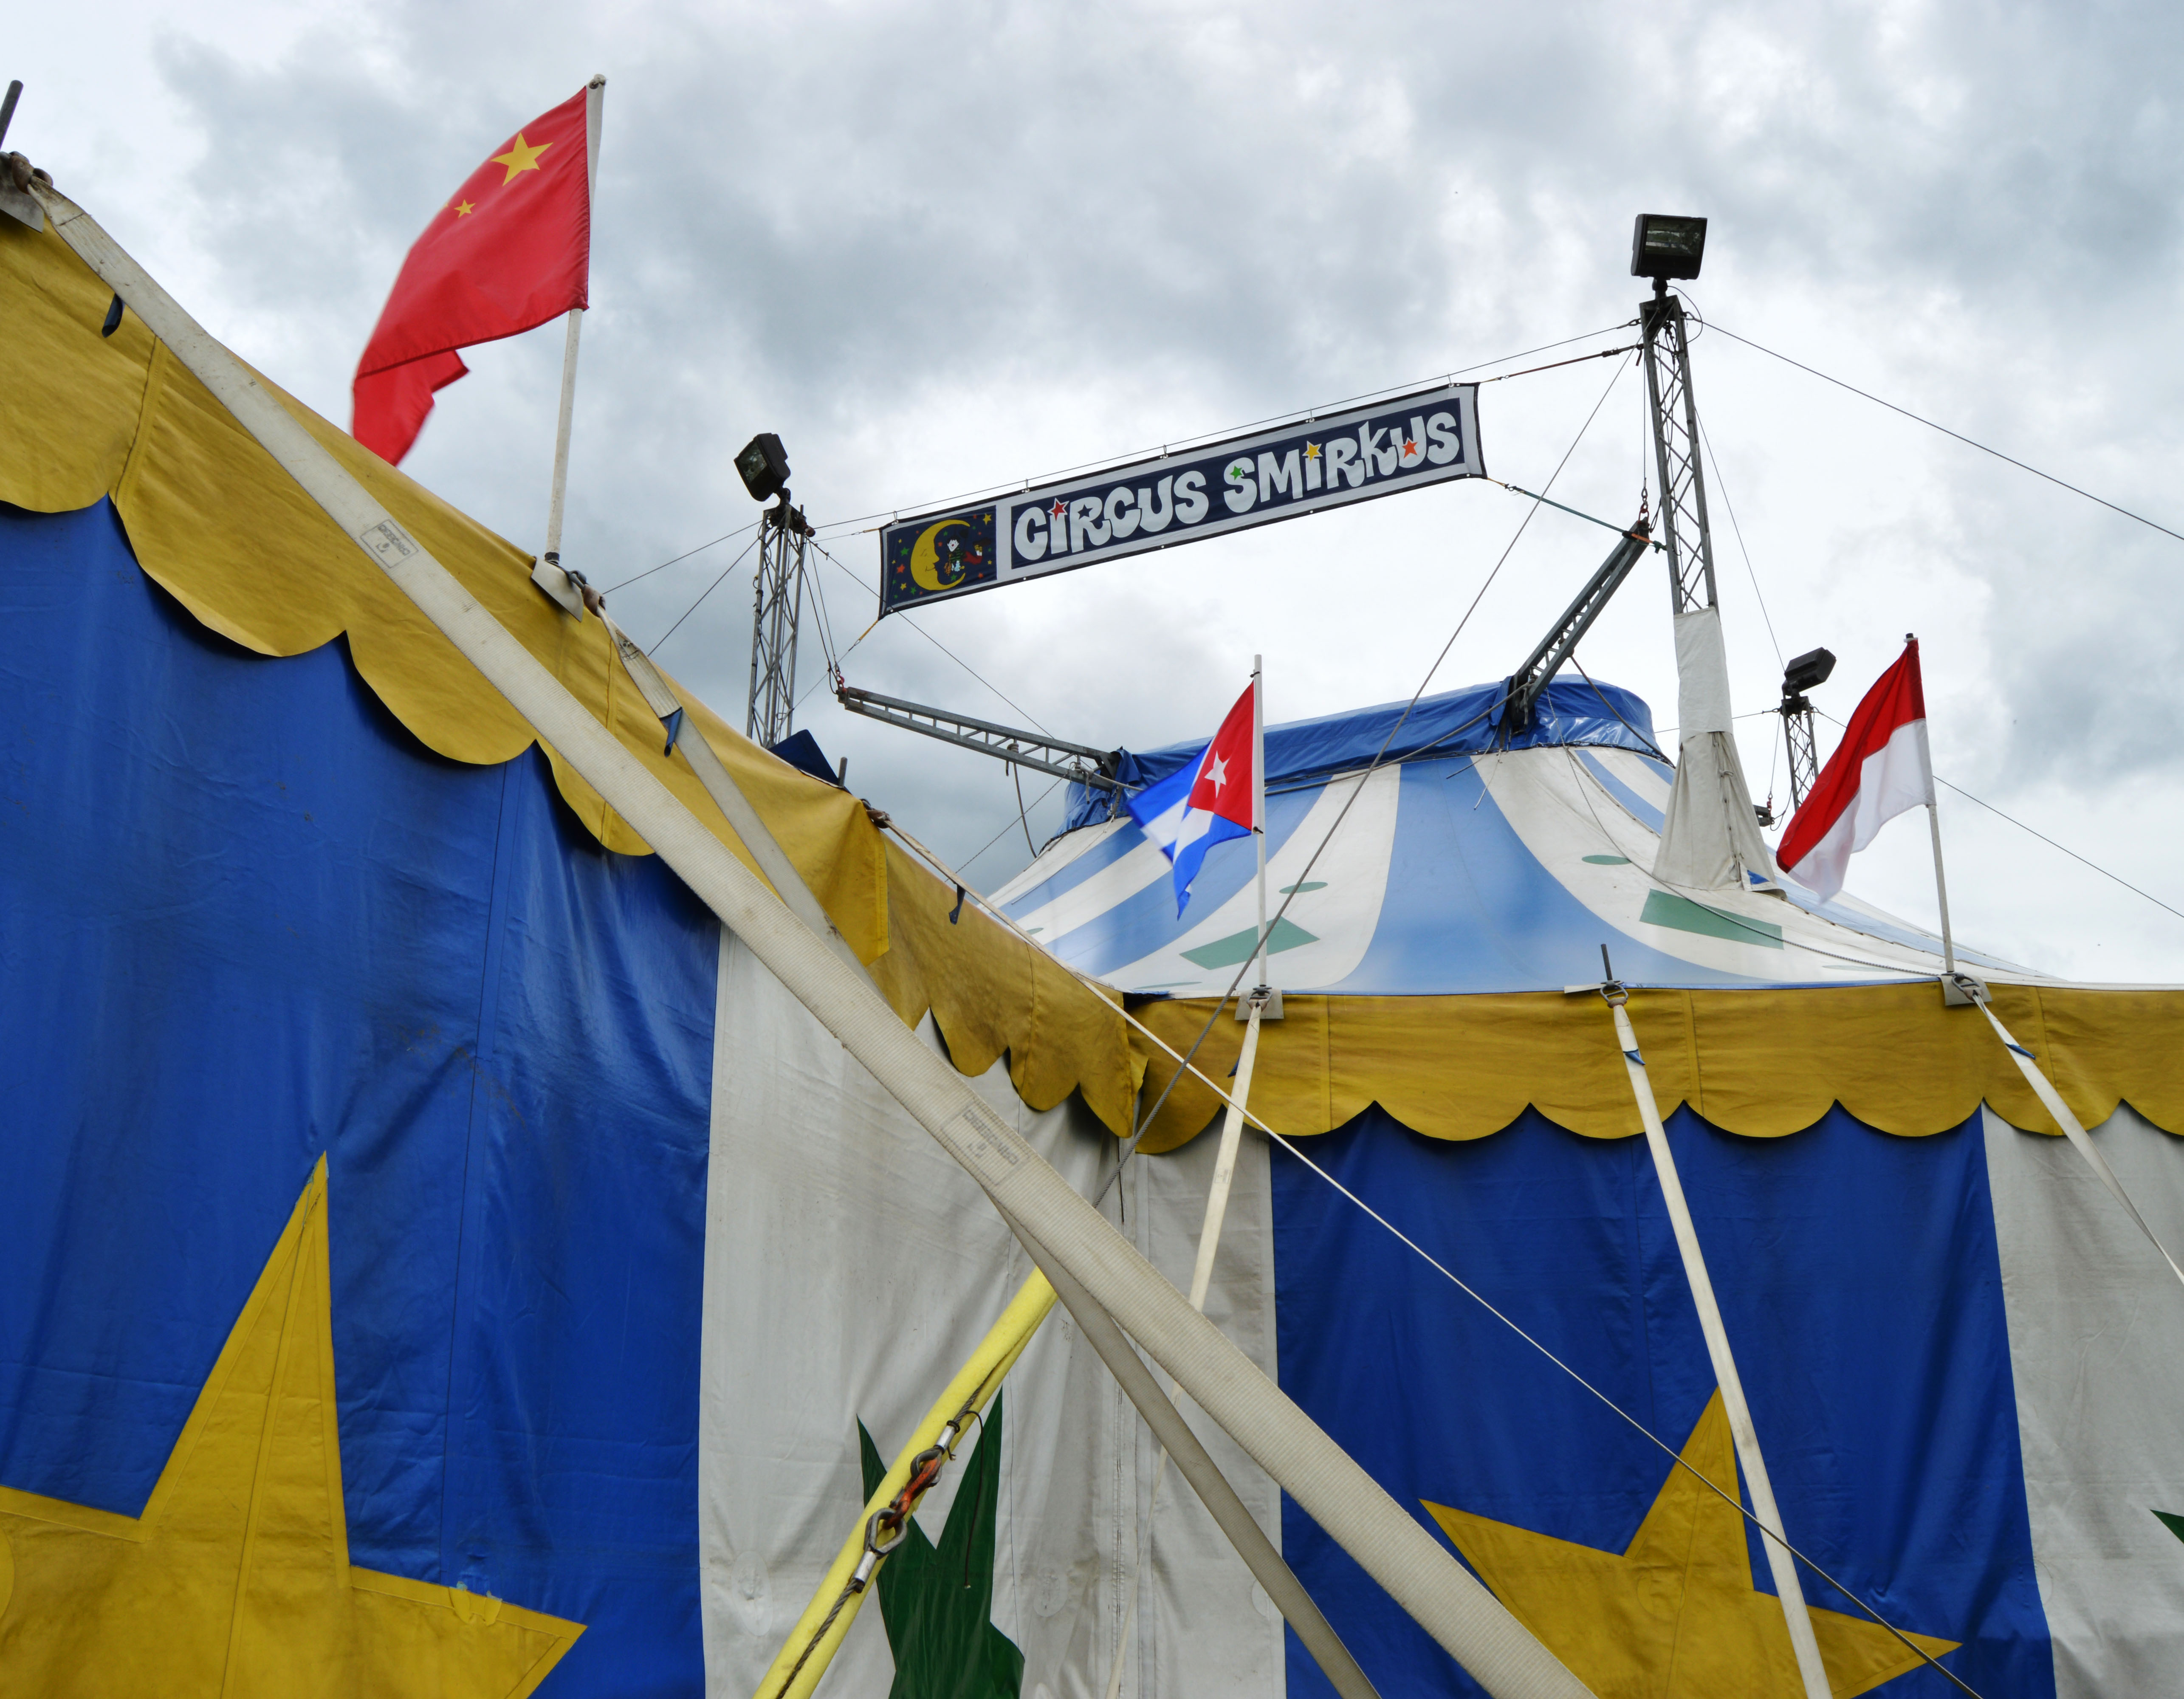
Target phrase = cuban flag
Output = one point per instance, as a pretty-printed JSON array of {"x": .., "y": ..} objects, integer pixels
[
  {"x": 1204, "y": 802},
  {"x": 1882, "y": 767}
]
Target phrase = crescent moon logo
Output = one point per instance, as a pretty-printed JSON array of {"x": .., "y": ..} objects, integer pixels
[{"x": 925, "y": 558}]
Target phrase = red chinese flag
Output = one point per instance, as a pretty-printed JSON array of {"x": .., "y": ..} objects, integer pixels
[{"x": 512, "y": 249}]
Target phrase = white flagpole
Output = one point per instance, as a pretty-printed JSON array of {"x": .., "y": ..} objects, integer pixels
[
  {"x": 1789, "y": 1591},
  {"x": 1941, "y": 884},
  {"x": 549, "y": 577},
  {"x": 1941, "y": 891},
  {"x": 1259, "y": 800}
]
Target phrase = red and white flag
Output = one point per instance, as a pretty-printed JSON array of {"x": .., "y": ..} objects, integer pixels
[
  {"x": 510, "y": 249},
  {"x": 1879, "y": 769}
]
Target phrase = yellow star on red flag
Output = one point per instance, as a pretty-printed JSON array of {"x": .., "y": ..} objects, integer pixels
[{"x": 520, "y": 157}]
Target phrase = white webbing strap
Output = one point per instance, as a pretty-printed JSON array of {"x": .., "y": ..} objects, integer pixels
[
  {"x": 1201, "y": 1278},
  {"x": 2052, "y": 1100},
  {"x": 1390, "y": 1544},
  {"x": 1196, "y": 1464},
  {"x": 1780, "y": 1562}
]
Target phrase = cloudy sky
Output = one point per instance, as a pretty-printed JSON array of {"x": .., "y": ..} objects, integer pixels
[{"x": 941, "y": 248}]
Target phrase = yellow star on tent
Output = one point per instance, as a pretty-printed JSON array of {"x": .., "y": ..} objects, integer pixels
[
  {"x": 236, "y": 1580},
  {"x": 1675, "y": 1616},
  {"x": 521, "y": 156}
]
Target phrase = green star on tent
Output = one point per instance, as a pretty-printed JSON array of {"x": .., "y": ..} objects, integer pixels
[{"x": 938, "y": 1601}]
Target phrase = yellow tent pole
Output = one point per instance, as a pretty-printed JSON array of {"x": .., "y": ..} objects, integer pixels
[{"x": 811, "y": 1647}]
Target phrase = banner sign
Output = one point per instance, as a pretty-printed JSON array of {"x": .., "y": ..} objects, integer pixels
[{"x": 1407, "y": 443}]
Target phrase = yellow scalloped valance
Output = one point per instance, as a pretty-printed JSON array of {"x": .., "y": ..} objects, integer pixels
[
  {"x": 1759, "y": 1062},
  {"x": 219, "y": 525}
]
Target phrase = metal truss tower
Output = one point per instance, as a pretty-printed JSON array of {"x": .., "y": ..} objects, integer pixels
[
  {"x": 1683, "y": 518},
  {"x": 777, "y": 606}
]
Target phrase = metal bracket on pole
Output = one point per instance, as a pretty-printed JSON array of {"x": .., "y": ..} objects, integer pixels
[
  {"x": 1078, "y": 763},
  {"x": 1530, "y": 681}
]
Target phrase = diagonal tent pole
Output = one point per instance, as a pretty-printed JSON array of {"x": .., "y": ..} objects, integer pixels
[
  {"x": 1780, "y": 1561},
  {"x": 2073, "y": 1129},
  {"x": 1390, "y": 1543},
  {"x": 815, "y": 1639},
  {"x": 1201, "y": 1276}
]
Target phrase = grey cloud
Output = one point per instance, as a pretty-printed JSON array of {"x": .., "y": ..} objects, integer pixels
[{"x": 937, "y": 247}]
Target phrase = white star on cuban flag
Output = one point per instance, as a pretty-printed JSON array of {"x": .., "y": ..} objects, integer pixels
[{"x": 1204, "y": 802}]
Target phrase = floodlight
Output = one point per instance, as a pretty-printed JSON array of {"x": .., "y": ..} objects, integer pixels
[
  {"x": 764, "y": 467},
  {"x": 1663, "y": 246},
  {"x": 1807, "y": 671}
]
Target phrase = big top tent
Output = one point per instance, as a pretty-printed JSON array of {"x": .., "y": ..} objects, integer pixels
[{"x": 442, "y": 1258}]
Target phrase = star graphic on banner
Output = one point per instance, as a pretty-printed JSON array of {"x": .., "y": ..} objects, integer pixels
[
  {"x": 1311, "y": 451},
  {"x": 1218, "y": 774},
  {"x": 1060, "y": 509},
  {"x": 521, "y": 156},
  {"x": 1675, "y": 1616},
  {"x": 236, "y": 1578},
  {"x": 464, "y": 209}
]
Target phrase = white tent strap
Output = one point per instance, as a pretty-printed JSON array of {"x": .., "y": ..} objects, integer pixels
[
  {"x": 1784, "y": 1567},
  {"x": 1201, "y": 1276},
  {"x": 1328, "y": 1486},
  {"x": 1197, "y": 1465},
  {"x": 2073, "y": 1130}
]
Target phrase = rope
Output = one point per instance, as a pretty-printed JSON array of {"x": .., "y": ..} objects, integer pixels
[
  {"x": 1138, "y": 1137},
  {"x": 1722, "y": 484},
  {"x": 703, "y": 594},
  {"x": 1578, "y": 513},
  {"x": 888, "y": 1527},
  {"x": 1184, "y": 1065},
  {"x": 1969, "y": 443},
  {"x": 684, "y": 555},
  {"x": 932, "y": 639},
  {"x": 1301, "y": 414},
  {"x": 2042, "y": 836}
]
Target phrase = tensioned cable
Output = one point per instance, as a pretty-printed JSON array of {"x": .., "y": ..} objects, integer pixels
[
  {"x": 1674, "y": 1455},
  {"x": 1138, "y": 1136},
  {"x": 954, "y": 876},
  {"x": 1004, "y": 833},
  {"x": 684, "y": 555},
  {"x": 703, "y": 594},
  {"x": 1758, "y": 931},
  {"x": 2040, "y": 835},
  {"x": 1722, "y": 484},
  {"x": 1299, "y": 414},
  {"x": 935, "y": 641},
  {"x": 1611, "y": 709},
  {"x": 1969, "y": 441}
]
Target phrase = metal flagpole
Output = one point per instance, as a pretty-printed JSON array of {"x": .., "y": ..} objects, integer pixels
[
  {"x": 1941, "y": 884},
  {"x": 1259, "y": 802},
  {"x": 568, "y": 587},
  {"x": 1942, "y": 890}
]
